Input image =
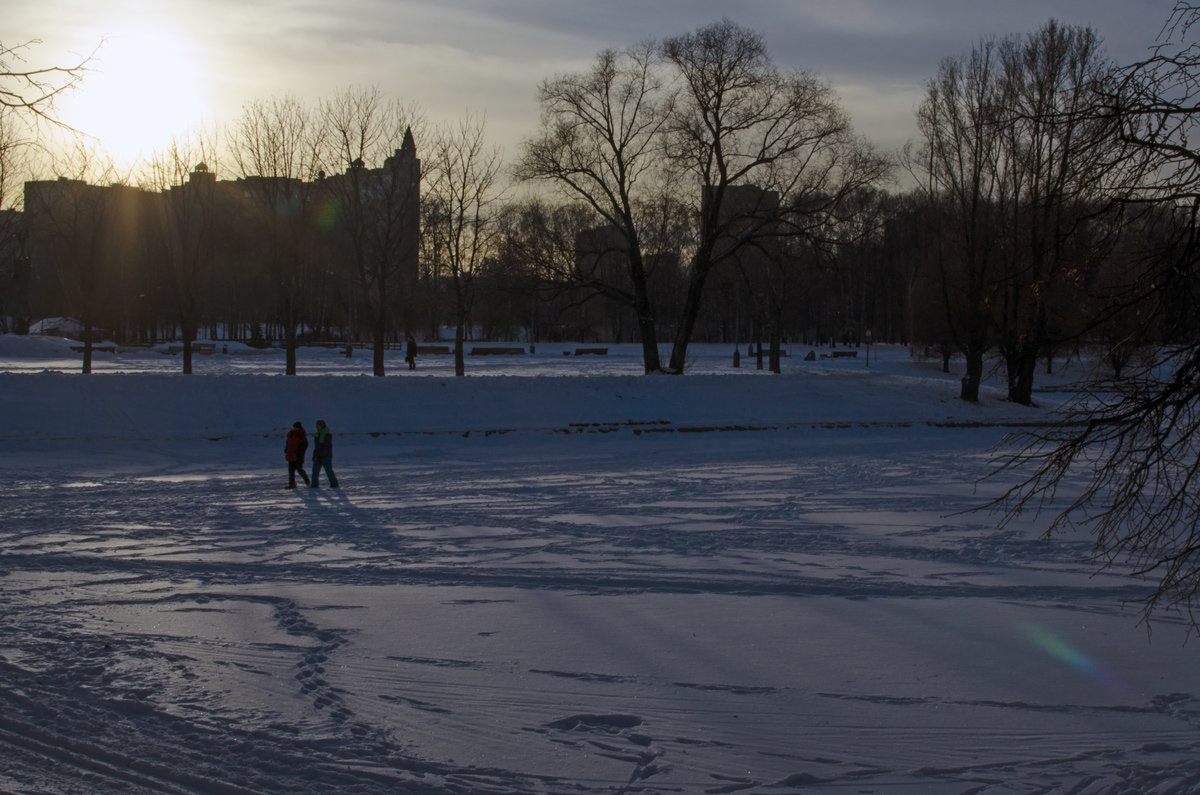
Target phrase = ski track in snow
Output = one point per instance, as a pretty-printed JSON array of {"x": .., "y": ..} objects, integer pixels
[
  {"x": 200, "y": 631},
  {"x": 551, "y": 606}
]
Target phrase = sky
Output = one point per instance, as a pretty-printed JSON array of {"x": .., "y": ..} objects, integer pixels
[{"x": 164, "y": 69}]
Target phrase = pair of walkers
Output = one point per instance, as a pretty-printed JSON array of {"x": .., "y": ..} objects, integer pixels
[{"x": 295, "y": 448}]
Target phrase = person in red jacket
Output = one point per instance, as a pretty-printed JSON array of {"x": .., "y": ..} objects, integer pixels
[{"x": 294, "y": 450}]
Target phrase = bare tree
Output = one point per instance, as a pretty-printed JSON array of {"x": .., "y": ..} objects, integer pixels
[
  {"x": 277, "y": 146},
  {"x": 740, "y": 122},
  {"x": 188, "y": 219},
  {"x": 33, "y": 90},
  {"x": 464, "y": 191},
  {"x": 14, "y": 262},
  {"x": 599, "y": 143},
  {"x": 378, "y": 208},
  {"x": 75, "y": 240},
  {"x": 1125, "y": 460},
  {"x": 1026, "y": 174},
  {"x": 539, "y": 248},
  {"x": 1063, "y": 170},
  {"x": 27, "y": 97},
  {"x": 961, "y": 182},
  {"x": 15, "y": 167}
]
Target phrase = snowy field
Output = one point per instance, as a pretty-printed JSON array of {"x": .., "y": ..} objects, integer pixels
[{"x": 554, "y": 575}]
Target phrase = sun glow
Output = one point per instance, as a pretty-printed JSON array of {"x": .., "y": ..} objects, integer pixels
[{"x": 148, "y": 86}]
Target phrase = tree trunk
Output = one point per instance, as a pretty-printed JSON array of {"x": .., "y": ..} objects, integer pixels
[
  {"x": 460, "y": 367},
  {"x": 645, "y": 314},
  {"x": 87, "y": 348},
  {"x": 1020, "y": 385},
  {"x": 691, "y": 311},
  {"x": 188, "y": 333},
  {"x": 379, "y": 336},
  {"x": 973, "y": 377},
  {"x": 289, "y": 344},
  {"x": 757, "y": 342},
  {"x": 648, "y": 335}
]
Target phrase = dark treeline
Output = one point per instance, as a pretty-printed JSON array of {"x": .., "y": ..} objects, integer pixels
[{"x": 687, "y": 190}]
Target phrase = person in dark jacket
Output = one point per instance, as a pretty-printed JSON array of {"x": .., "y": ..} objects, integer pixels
[
  {"x": 294, "y": 449},
  {"x": 410, "y": 353},
  {"x": 322, "y": 456}
]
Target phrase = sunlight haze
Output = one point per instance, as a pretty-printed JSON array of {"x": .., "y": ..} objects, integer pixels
[
  {"x": 164, "y": 69},
  {"x": 146, "y": 86}
]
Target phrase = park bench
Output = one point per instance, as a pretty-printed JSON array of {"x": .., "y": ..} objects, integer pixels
[{"x": 207, "y": 348}]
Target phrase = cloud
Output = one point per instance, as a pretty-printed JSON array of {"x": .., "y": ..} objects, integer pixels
[{"x": 488, "y": 56}]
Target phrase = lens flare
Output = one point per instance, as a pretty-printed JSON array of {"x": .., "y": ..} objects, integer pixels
[
  {"x": 327, "y": 213},
  {"x": 1060, "y": 649}
]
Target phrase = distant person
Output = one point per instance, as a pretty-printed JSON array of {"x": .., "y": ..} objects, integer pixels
[
  {"x": 410, "y": 353},
  {"x": 322, "y": 457},
  {"x": 294, "y": 449}
]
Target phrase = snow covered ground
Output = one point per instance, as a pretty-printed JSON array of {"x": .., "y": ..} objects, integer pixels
[{"x": 555, "y": 575}]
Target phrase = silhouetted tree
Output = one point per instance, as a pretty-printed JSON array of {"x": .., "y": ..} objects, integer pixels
[
  {"x": 33, "y": 90},
  {"x": 378, "y": 209},
  {"x": 463, "y": 193},
  {"x": 599, "y": 143},
  {"x": 189, "y": 222},
  {"x": 277, "y": 146},
  {"x": 27, "y": 96},
  {"x": 958, "y": 121},
  {"x": 539, "y": 239},
  {"x": 740, "y": 122},
  {"x": 75, "y": 242},
  {"x": 1061, "y": 162},
  {"x": 14, "y": 262},
  {"x": 1134, "y": 441}
]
